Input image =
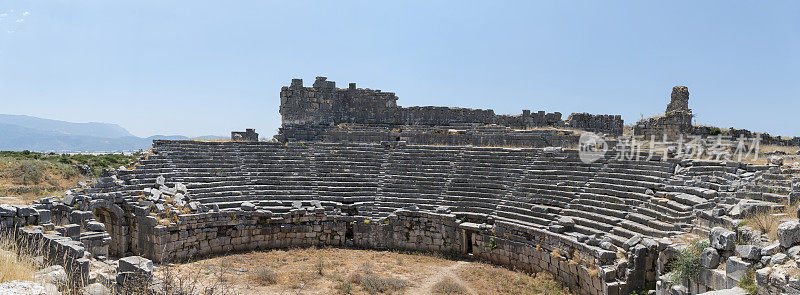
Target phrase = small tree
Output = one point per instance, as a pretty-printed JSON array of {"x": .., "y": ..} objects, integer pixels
[{"x": 687, "y": 265}]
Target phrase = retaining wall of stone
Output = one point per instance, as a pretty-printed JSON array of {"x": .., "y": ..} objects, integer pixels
[
  {"x": 531, "y": 250},
  {"x": 22, "y": 223}
]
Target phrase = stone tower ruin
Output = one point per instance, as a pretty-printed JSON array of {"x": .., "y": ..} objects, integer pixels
[{"x": 679, "y": 101}]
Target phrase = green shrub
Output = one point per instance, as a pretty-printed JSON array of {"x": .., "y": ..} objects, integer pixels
[
  {"x": 95, "y": 162},
  {"x": 687, "y": 264},
  {"x": 715, "y": 131},
  {"x": 748, "y": 282},
  {"x": 28, "y": 172},
  {"x": 344, "y": 287}
]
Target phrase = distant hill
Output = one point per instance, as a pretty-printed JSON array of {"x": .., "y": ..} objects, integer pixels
[
  {"x": 18, "y": 132},
  {"x": 104, "y": 130}
]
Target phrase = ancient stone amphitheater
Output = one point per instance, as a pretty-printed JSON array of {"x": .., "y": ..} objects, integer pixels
[{"x": 350, "y": 168}]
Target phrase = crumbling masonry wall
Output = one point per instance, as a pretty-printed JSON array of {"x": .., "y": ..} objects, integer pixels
[
  {"x": 511, "y": 246},
  {"x": 325, "y": 105}
]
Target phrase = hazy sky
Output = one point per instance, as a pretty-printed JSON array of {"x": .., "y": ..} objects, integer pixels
[{"x": 209, "y": 67}]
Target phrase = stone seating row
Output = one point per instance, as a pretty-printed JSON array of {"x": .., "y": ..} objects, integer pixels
[{"x": 528, "y": 186}]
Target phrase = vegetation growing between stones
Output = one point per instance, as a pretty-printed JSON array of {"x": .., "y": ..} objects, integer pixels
[
  {"x": 768, "y": 221},
  {"x": 748, "y": 282},
  {"x": 686, "y": 266}
]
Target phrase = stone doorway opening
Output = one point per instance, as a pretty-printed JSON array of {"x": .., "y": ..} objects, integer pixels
[{"x": 111, "y": 216}]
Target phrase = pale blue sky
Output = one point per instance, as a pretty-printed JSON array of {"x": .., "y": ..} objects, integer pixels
[{"x": 209, "y": 67}]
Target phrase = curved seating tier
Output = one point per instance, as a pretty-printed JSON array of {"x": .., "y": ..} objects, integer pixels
[{"x": 530, "y": 187}]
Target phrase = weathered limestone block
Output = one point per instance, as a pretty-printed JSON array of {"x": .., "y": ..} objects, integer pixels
[
  {"x": 22, "y": 288},
  {"x": 771, "y": 249},
  {"x": 736, "y": 268},
  {"x": 749, "y": 252},
  {"x": 779, "y": 258},
  {"x": 789, "y": 233},
  {"x": 136, "y": 264},
  {"x": 722, "y": 239},
  {"x": 95, "y": 226},
  {"x": 709, "y": 258}
]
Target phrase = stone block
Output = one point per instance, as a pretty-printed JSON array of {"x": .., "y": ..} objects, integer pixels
[
  {"x": 247, "y": 206},
  {"x": 632, "y": 242},
  {"x": 25, "y": 211},
  {"x": 136, "y": 264},
  {"x": 778, "y": 258},
  {"x": 749, "y": 252},
  {"x": 722, "y": 239},
  {"x": 709, "y": 258},
  {"x": 8, "y": 211},
  {"x": 789, "y": 233},
  {"x": 736, "y": 268},
  {"x": 72, "y": 230},
  {"x": 45, "y": 216},
  {"x": 95, "y": 226},
  {"x": 771, "y": 249}
]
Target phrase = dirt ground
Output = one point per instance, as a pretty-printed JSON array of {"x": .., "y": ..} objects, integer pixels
[{"x": 348, "y": 271}]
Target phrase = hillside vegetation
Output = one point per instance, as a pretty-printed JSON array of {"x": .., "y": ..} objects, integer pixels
[{"x": 26, "y": 176}]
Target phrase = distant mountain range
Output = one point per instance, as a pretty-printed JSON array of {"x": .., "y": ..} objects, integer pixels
[{"x": 19, "y": 132}]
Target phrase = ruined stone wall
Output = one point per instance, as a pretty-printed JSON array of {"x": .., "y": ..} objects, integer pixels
[
  {"x": 610, "y": 124},
  {"x": 677, "y": 119},
  {"x": 673, "y": 126},
  {"x": 461, "y": 135},
  {"x": 734, "y": 135},
  {"x": 324, "y": 104},
  {"x": 56, "y": 246},
  {"x": 584, "y": 270},
  {"x": 248, "y": 135},
  {"x": 224, "y": 232}
]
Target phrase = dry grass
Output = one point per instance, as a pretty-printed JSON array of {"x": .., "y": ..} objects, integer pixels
[
  {"x": 25, "y": 181},
  {"x": 768, "y": 148},
  {"x": 265, "y": 276},
  {"x": 449, "y": 286},
  {"x": 178, "y": 281},
  {"x": 373, "y": 283},
  {"x": 488, "y": 279},
  {"x": 326, "y": 270},
  {"x": 16, "y": 263},
  {"x": 343, "y": 271},
  {"x": 768, "y": 221},
  {"x": 788, "y": 159}
]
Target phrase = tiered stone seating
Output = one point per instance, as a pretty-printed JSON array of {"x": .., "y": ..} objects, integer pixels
[
  {"x": 528, "y": 187},
  {"x": 278, "y": 173},
  {"x": 480, "y": 178},
  {"x": 417, "y": 176},
  {"x": 349, "y": 173}
]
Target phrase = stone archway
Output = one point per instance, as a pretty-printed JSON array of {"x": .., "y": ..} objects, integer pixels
[{"x": 113, "y": 218}]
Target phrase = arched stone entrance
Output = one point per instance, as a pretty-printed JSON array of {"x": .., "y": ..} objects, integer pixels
[{"x": 113, "y": 218}]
